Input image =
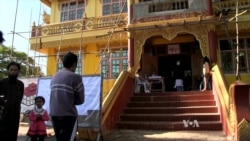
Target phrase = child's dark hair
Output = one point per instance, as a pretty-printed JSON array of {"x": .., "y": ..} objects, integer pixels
[{"x": 40, "y": 97}]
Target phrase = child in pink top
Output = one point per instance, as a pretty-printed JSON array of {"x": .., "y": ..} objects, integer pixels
[{"x": 37, "y": 117}]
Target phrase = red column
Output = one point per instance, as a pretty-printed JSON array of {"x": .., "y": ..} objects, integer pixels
[
  {"x": 131, "y": 52},
  {"x": 212, "y": 46},
  {"x": 211, "y": 35},
  {"x": 209, "y": 7},
  {"x": 130, "y": 39},
  {"x": 130, "y": 12}
]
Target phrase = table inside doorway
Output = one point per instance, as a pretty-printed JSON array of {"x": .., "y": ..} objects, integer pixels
[{"x": 157, "y": 79}]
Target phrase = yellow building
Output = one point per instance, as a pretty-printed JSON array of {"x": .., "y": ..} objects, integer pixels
[
  {"x": 110, "y": 36},
  {"x": 114, "y": 35}
]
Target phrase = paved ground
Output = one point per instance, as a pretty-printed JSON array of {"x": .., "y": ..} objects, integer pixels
[
  {"x": 24, "y": 128},
  {"x": 138, "y": 135},
  {"x": 130, "y": 135}
]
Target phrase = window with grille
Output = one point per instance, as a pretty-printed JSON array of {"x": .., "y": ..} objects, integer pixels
[
  {"x": 229, "y": 55},
  {"x": 72, "y": 10},
  {"x": 110, "y": 7},
  {"x": 113, "y": 63}
]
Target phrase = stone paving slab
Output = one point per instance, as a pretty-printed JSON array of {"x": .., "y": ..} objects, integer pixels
[
  {"x": 144, "y": 135},
  {"x": 137, "y": 135}
]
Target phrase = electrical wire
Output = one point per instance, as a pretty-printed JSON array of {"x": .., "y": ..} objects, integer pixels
[{"x": 34, "y": 63}]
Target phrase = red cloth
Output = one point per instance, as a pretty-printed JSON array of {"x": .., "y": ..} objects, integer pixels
[{"x": 37, "y": 125}]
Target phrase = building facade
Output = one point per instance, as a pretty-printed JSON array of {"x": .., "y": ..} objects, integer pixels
[{"x": 110, "y": 36}]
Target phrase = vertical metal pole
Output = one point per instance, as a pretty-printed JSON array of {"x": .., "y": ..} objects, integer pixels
[
  {"x": 59, "y": 48},
  {"x": 237, "y": 41},
  {"x": 14, "y": 31},
  {"x": 38, "y": 30},
  {"x": 27, "y": 59},
  {"x": 80, "y": 51}
]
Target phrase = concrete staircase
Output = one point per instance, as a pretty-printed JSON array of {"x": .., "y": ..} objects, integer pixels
[{"x": 174, "y": 111}]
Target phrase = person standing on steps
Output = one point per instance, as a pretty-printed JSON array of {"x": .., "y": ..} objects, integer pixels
[{"x": 206, "y": 73}]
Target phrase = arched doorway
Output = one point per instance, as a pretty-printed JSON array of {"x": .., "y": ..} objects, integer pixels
[
  {"x": 180, "y": 58},
  {"x": 176, "y": 67},
  {"x": 143, "y": 51}
]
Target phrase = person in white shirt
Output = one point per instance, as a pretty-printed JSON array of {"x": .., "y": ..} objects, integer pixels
[
  {"x": 142, "y": 80},
  {"x": 206, "y": 72}
]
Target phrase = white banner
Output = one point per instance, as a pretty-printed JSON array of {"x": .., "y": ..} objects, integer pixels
[
  {"x": 90, "y": 111},
  {"x": 30, "y": 89}
]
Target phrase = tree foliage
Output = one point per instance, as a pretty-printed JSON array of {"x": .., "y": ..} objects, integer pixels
[{"x": 27, "y": 63}]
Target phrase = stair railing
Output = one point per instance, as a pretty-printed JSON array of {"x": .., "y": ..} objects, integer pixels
[
  {"x": 116, "y": 100},
  {"x": 221, "y": 91}
]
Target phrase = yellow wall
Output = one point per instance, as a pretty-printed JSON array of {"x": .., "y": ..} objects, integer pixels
[
  {"x": 51, "y": 62},
  {"x": 91, "y": 63},
  {"x": 231, "y": 78},
  {"x": 90, "y": 6},
  {"x": 107, "y": 85},
  {"x": 134, "y": 1},
  {"x": 55, "y": 12},
  {"x": 91, "y": 58}
]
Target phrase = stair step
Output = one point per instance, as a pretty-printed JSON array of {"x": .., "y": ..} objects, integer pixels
[
  {"x": 202, "y": 125},
  {"x": 156, "y": 98},
  {"x": 173, "y": 103},
  {"x": 165, "y": 135},
  {"x": 170, "y": 110},
  {"x": 170, "y": 117},
  {"x": 174, "y": 93}
]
